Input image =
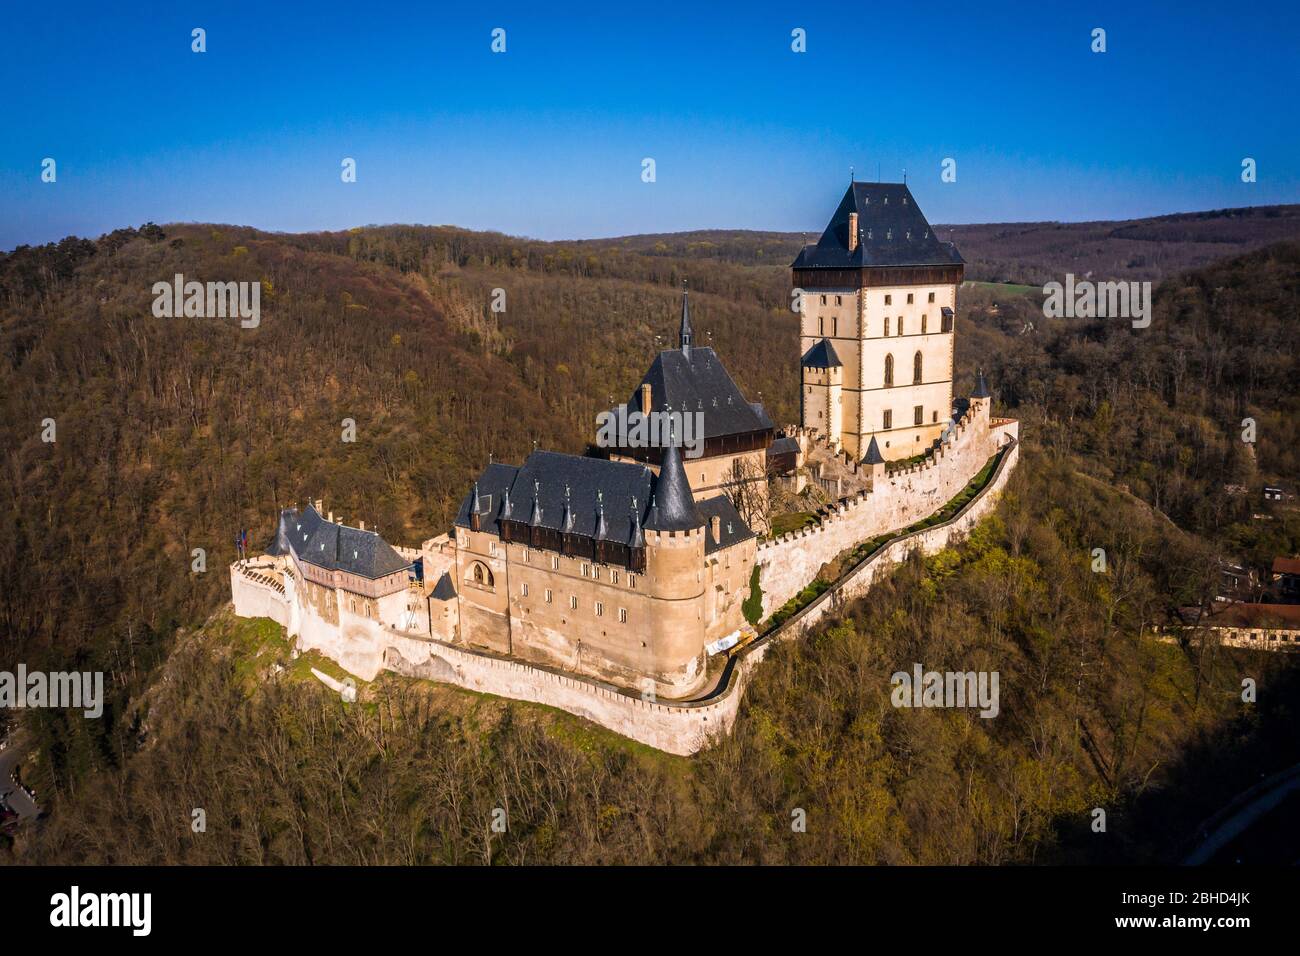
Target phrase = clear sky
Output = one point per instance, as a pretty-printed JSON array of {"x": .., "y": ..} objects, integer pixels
[{"x": 547, "y": 139}]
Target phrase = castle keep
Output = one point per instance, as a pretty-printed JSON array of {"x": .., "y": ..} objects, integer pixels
[
  {"x": 877, "y": 295},
  {"x": 614, "y": 585}
]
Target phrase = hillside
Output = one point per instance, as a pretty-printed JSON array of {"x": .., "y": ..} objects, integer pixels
[
  {"x": 174, "y": 433},
  {"x": 1023, "y": 252}
]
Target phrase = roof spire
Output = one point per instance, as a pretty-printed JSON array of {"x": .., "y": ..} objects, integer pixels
[
  {"x": 677, "y": 511},
  {"x": 685, "y": 333},
  {"x": 981, "y": 386},
  {"x": 535, "y": 519}
]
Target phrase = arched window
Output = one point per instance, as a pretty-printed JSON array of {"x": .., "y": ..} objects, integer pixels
[
  {"x": 481, "y": 575},
  {"x": 889, "y": 370},
  {"x": 916, "y": 369}
]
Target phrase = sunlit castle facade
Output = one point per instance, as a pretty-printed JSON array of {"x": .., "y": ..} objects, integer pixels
[{"x": 877, "y": 296}]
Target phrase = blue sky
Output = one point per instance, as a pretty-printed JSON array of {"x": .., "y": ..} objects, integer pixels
[{"x": 547, "y": 139}]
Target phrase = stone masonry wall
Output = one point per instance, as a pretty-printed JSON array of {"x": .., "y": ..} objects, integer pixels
[
  {"x": 789, "y": 563},
  {"x": 675, "y": 727}
]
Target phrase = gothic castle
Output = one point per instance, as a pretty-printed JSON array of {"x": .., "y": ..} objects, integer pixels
[{"x": 629, "y": 569}]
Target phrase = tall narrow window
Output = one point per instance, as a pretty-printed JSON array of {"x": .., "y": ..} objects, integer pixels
[
  {"x": 931, "y": 297},
  {"x": 916, "y": 369},
  {"x": 900, "y": 325},
  {"x": 889, "y": 371},
  {"x": 622, "y": 615},
  {"x": 923, "y": 324},
  {"x": 889, "y": 419},
  {"x": 909, "y": 298},
  {"x": 886, "y": 326},
  {"x": 889, "y": 300},
  {"x": 573, "y": 602},
  {"x": 549, "y": 595}
]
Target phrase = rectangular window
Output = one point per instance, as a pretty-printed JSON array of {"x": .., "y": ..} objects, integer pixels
[
  {"x": 886, "y": 325},
  {"x": 492, "y": 547},
  {"x": 909, "y": 298},
  {"x": 555, "y": 562},
  {"x": 889, "y": 419},
  {"x": 573, "y": 602},
  {"x": 900, "y": 325},
  {"x": 613, "y": 576},
  {"x": 622, "y": 615},
  {"x": 631, "y": 580},
  {"x": 823, "y": 300},
  {"x": 835, "y": 327},
  {"x": 923, "y": 323},
  {"x": 600, "y": 609},
  {"x": 919, "y": 415},
  {"x": 524, "y": 556},
  {"x": 889, "y": 300},
  {"x": 548, "y": 595},
  {"x": 582, "y": 569},
  {"x": 931, "y": 297},
  {"x": 837, "y": 300},
  {"x": 523, "y": 589},
  {"x": 821, "y": 324}
]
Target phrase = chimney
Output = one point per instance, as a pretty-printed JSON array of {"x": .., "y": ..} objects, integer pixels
[
  {"x": 853, "y": 231},
  {"x": 716, "y": 524},
  {"x": 645, "y": 399},
  {"x": 361, "y": 525}
]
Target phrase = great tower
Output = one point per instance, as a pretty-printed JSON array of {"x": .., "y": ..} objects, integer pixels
[{"x": 877, "y": 295}]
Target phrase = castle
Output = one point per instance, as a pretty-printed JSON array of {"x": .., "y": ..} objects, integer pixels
[{"x": 629, "y": 569}]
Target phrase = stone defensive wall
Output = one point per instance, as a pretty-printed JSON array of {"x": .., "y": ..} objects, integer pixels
[
  {"x": 789, "y": 563},
  {"x": 684, "y": 727}
]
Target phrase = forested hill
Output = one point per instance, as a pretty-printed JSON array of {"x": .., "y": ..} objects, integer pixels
[
  {"x": 174, "y": 433},
  {"x": 1025, "y": 252}
]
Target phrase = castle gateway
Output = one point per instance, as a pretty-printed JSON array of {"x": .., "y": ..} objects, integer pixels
[{"x": 877, "y": 294}]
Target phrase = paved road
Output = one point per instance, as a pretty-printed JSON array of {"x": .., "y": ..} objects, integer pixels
[
  {"x": 1242, "y": 813},
  {"x": 12, "y": 794}
]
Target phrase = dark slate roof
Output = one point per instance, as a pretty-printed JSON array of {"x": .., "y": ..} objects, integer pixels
[
  {"x": 594, "y": 498},
  {"x": 873, "y": 456},
  {"x": 733, "y": 527},
  {"x": 672, "y": 505},
  {"x": 540, "y": 485},
  {"x": 335, "y": 547},
  {"x": 492, "y": 484},
  {"x": 893, "y": 232},
  {"x": 698, "y": 383},
  {"x": 784, "y": 446},
  {"x": 822, "y": 355}
]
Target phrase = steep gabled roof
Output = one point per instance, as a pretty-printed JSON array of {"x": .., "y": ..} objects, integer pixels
[
  {"x": 697, "y": 382},
  {"x": 335, "y": 547},
  {"x": 731, "y": 525},
  {"x": 565, "y": 493},
  {"x": 892, "y": 231},
  {"x": 822, "y": 355}
]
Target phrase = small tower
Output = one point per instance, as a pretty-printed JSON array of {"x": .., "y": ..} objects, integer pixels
[
  {"x": 875, "y": 461},
  {"x": 823, "y": 379}
]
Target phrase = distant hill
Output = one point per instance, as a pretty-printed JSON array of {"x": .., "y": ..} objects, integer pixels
[{"x": 1023, "y": 252}]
